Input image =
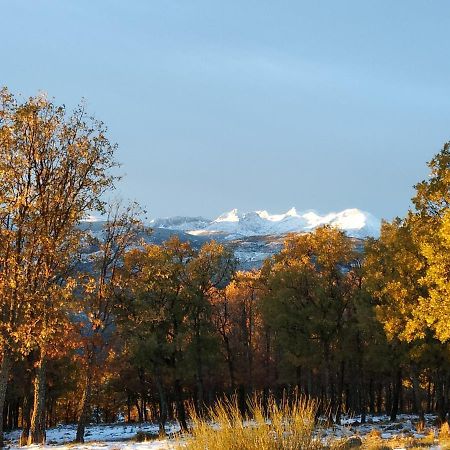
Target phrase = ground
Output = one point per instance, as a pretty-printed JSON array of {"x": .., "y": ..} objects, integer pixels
[{"x": 121, "y": 436}]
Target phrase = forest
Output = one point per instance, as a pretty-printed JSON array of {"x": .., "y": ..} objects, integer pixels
[{"x": 142, "y": 332}]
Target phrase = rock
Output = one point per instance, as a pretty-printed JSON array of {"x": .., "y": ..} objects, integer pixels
[
  {"x": 394, "y": 426},
  {"x": 352, "y": 442}
]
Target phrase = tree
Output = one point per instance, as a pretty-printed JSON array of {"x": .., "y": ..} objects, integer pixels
[
  {"x": 165, "y": 315},
  {"x": 119, "y": 233},
  {"x": 210, "y": 271},
  {"x": 432, "y": 199},
  {"x": 236, "y": 317},
  {"x": 54, "y": 167},
  {"x": 432, "y": 215},
  {"x": 309, "y": 292},
  {"x": 407, "y": 272},
  {"x": 393, "y": 268},
  {"x": 153, "y": 317},
  {"x": 435, "y": 307}
]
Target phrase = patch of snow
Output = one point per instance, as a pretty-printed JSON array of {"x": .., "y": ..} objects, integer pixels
[
  {"x": 91, "y": 218},
  {"x": 101, "y": 436}
]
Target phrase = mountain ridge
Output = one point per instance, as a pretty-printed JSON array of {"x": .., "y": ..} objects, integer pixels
[
  {"x": 253, "y": 236},
  {"x": 234, "y": 224}
]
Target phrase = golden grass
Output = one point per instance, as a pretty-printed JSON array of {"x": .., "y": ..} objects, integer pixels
[
  {"x": 444, "y": 436},
  {"x": 288, "y": 425},
  {"x": 373, "y": 441}
]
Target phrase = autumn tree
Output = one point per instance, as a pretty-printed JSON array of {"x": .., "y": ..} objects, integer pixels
[
  {"x": 432, "y": 221},
  {"x": 432, "y": 214},
  {"x": 309, "y": 292},
  {"x": 97, "y": 300},
  {"x": 407, "y": 272},
  {"x": 54, "y": 167},
  {"x": 210, "y": 271},
  {"x": 152, "y": 316},
  {"x": 166, "y": 313},
  {"x": 237, "y": 319}
]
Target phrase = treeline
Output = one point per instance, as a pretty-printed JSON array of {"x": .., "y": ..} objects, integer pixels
[{"x": 101, "y": 327}]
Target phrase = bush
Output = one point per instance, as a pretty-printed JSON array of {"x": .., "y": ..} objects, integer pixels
[{"x": 285, "y": 426}]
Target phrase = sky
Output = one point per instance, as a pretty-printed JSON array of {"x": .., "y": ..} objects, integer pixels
[{"x": 248, "y": 104}]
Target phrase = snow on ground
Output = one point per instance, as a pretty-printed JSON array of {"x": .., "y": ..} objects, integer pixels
[
  {"x": 116, "y": 436},
  {"x": 404, "y": 427},
  {"x": 120, "y": 436},
  {"x": 119, "y": 445}
]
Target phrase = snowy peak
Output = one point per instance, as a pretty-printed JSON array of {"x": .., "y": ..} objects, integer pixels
[
  {"x": 233, "y": 224},
  {"x": 292, "y": 212},
  {"x": 180, "y": 223},
  {"x": 350, "y": 219},
  {"x": 231, "y": 216},
  {"x": 90, "y": 218}
]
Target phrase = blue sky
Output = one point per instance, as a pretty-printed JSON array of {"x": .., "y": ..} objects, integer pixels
[{"x": 259, "y": 104}]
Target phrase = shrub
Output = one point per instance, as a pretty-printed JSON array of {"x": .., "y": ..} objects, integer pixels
[{"x": 285, "y": 426}]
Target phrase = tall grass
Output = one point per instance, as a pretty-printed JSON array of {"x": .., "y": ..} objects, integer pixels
[{"x": 288, "y": 425}]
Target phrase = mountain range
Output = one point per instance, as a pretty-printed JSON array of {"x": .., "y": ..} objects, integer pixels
[
  {"x": 254, "y": 236},
  {"x": 235, "y": 225}
]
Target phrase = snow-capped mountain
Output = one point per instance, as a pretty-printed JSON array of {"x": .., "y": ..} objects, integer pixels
[
  {"x": 253, "y": 236},
  {"x": 235, "y": 225},
  {"x": 180, "y": 223}
]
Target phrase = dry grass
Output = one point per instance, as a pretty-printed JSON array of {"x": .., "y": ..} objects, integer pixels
[
  {"x": 289, "y": 425},
  {"x": 373, "y": 441},
  {"x": 285, "y": 426},
  {"x": 444, "y": 437}
]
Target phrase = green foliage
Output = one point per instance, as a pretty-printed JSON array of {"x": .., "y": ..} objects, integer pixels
[{"x": 311, "y": 297}]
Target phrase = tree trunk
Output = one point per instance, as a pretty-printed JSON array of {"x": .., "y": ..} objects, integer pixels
[
  {"x": 230, "y": 363},
  {"x": 199, "y": 379},
  {"x": 26, "y": 419},
  {"x": 328, "y": 384},
  {"x": 85, "y": 406},
  {"x": 128, "y": 407},
  {"x": 37, "y": 429},
  {"x": 440, "y": 397},
  {"x": 397, "y": 386},
  {"x": 429, "y": 396},
  {"x": 340, "y": 393},
  {"x": 27, "y": 404},
  {"x": 180, "y": 406},
  {"x": 379, "y": 398},
  {"x": 163, "y": 408},
  {"x": 298, "y": 378},
  {"x": 4, "y": 375},
  {"x": 418, "y": 398},
  {"x": 371, "y": 397},
  {"x": 138, "y": 408}
]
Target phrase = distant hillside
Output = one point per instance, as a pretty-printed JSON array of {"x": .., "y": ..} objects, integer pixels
[{"x": 254, "y": 236}]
